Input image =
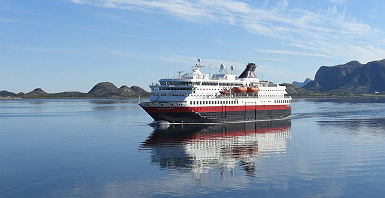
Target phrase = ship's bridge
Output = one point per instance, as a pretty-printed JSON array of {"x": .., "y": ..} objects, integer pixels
[
  {"x": 196, "y": 74},
  {"x": 224, "y": 77}
]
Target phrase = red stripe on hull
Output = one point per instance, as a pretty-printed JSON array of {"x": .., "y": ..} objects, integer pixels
[{"x": 214, "y": 108}]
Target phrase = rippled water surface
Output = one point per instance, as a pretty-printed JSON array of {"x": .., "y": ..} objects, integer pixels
[{"x": 107, "y": 148}]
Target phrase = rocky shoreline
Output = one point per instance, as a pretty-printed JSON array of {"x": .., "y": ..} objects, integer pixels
[
  {"x": 100, "y": 90},
  {"x": 9, "y": 98}
]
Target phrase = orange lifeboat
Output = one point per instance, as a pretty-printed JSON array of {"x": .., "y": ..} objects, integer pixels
[
  {"x": 225, "y": 92},
  {"x": 241, "y": 89},
  {"x": 252, "y": 90}
]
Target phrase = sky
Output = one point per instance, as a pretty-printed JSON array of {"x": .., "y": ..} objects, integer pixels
[{"x": 67, "y": 45}]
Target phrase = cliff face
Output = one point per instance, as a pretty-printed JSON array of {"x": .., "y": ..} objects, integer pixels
[{"x": 352, "y": 77}]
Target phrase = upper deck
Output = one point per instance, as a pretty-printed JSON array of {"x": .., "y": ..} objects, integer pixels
[{"x": 199, "y": 85}]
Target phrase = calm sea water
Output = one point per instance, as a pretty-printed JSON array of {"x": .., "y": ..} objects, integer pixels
[{"x": 106, "y": 148}]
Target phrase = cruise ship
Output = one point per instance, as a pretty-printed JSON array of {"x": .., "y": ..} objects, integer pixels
[{"x": 197, "y": 97}]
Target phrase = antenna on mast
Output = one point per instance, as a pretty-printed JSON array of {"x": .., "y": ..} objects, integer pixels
[
  {"x": 198, "y": 65},
  {"x": 232, "y": 69},
  {"x": 222, "y": 69},
  {"x": 180, "y": 74}
]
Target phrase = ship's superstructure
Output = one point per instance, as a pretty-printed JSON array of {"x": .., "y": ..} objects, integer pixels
[{"x": 197, "y": 97}]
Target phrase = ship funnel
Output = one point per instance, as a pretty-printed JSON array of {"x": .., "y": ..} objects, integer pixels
[{"x": 249, "y": 71}]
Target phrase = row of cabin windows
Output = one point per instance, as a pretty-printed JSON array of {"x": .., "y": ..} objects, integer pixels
[
  {"x": 281, "y": 101},
  {"x": 213, "y": 108},
  {"x": 228, "y": 108},
  {"x": 213, "y": 102},
  {"x": 175, "y": 88},
  {"x": 199, "y": 83},
  {"x": 171, "y": 94},
  {"x": 178, "y": 83},
  {"x": 222, "y": 84},
  {"x": 206, "y": 89}
]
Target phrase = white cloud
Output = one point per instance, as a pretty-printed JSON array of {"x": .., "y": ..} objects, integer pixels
[
  {"x": 327, "y": 33},
  {"x": 271, "y": 51},
  {"x": 337, "y": 1},
  {"x": 80, "y": 1},
  {"x": 282, "y": 5}
]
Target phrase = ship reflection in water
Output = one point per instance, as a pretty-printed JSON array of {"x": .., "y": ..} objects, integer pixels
[{"x": 199, "y": 148}]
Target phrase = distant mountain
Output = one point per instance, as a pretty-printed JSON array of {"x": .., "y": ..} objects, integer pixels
[
  {"x": 7, "y": 93},
  {"x": 104, "y": 89},
  {"x": 294, "y": 90},
  {"x": 301, "y": 84},
  {"x": 125, "y": 91},
  {"x": 100, "y": 90},
  {"x": 107, "y": 89},
  {"x": 69, "y": 94},
  {"x": 140, "y": 91},
  {"x": 350, "y": 78},
  {"x": 36, "y": 93}
]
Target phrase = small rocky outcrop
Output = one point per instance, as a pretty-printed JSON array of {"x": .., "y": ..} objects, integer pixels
[
  {"x": 36, "y": 93},
  {"x": 125, "y": 91},
  {"x": 104, "y": 89},
  {"x": 5, "y": 93},
  {"x": 294, "y": 90},
  {"x": 107, "y": 89},
  {"x": 69, "y": 94},
  {"x": 140, "y": 91}
]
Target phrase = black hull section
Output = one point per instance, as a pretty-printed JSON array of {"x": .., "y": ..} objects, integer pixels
[{"x": 224, "y": 116}]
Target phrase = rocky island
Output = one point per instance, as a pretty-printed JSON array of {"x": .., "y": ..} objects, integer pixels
[
  {"x": 349, "y": 79},
  {"x": 100, "y": 90}
]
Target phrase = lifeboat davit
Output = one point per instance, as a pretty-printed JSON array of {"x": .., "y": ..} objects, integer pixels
[
  {"x": 252, "y": 89},
  {"x": 225, "y": 92},
  {"x": 241, "y": 89}
]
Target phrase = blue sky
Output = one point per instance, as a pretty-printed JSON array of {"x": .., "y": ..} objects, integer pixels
[{"x": 64, "y": 45}]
